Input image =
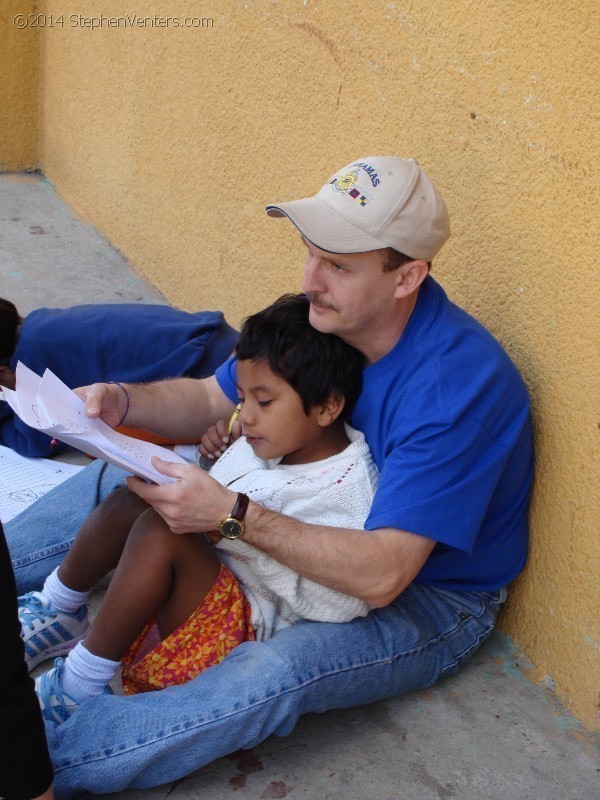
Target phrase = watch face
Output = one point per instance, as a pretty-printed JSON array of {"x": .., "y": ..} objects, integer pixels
[{"x": 231, "y": 528}]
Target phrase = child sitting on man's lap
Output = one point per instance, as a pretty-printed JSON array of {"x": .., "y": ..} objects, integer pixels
[{"x": 177, "y": 604}]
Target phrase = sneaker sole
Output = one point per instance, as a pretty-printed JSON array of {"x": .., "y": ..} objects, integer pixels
[{"x": 62, "y": 649}]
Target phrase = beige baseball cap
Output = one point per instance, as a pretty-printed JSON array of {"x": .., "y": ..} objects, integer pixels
[{"x": 374, "y": 202}]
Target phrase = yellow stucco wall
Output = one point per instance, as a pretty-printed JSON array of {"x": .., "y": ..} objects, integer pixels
[
  {"x": 19, "y": 77},
  {"x": 172, "y": 140}
]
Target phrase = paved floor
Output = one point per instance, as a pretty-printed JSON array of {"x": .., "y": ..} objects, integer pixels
[{"x": 486, "y": 734}]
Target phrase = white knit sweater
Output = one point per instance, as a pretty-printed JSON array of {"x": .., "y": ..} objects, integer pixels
[{"x": 337, "y": 491}]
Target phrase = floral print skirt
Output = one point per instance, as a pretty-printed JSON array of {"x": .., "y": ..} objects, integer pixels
[{"x": 217, "y": 626}]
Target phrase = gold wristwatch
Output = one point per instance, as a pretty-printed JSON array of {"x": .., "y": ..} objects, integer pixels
[{"x": 232, "y": 527}]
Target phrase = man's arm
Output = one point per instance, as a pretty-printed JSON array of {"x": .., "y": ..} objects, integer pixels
[
  {"x": 375, "y": 566},
  {"x": 182, "y": 408}
]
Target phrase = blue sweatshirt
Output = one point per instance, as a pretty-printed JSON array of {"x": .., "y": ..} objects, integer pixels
[{"x": 113, "y": 342}]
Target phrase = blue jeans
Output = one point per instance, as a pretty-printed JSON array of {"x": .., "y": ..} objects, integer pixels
[{"x": 114, "y": 743}]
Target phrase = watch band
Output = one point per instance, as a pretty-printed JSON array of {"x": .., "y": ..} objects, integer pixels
[{"x": 241, "y": 506}]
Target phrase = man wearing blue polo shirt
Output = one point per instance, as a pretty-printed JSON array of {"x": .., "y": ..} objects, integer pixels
[{"x": 446, "y": 415}]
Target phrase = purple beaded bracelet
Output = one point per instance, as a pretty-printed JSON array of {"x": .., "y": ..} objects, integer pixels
[{"x": 120, "y": 385}]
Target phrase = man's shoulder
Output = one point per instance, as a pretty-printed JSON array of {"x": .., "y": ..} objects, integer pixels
[
  {"x": 447, "y": 365},
  {"x": 442, "y": 339}
]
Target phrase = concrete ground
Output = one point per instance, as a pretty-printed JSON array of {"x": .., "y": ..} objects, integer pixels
[{"x": 488, "y": 733}]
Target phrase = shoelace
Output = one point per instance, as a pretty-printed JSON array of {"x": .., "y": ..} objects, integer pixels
[
  {"x": 32, "y": 610},
  {"x": 53, "y": 686}
]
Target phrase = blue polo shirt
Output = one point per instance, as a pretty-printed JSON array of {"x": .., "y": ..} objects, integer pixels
[{"x": 446, "y": 415}]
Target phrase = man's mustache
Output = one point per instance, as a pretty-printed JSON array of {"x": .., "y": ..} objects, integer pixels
[{"x": 316, "y": 300}]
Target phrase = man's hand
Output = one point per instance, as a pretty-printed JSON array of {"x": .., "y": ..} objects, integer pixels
[
  {"x": 104, "y": 400},
  {"x": 216, "y": 439},
  {"x": 194, "y": 503}
]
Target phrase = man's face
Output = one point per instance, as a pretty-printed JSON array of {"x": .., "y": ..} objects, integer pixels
[{"x": 349, "y": 295}]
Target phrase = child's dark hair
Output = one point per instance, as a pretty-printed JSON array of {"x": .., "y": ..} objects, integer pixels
[
  {"x": 9, "y": 322},
  {"x": 315, "y": 364}
]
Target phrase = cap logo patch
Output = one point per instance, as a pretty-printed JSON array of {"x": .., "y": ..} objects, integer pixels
[{"x": 346, "y": 184}]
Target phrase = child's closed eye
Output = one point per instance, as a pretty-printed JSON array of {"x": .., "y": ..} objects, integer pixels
[{"x": 264, "y": 403}]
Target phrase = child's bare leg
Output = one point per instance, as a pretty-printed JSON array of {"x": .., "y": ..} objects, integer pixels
[
  {"x": 100, "y": 540},
  {"x": 159, "y": 572}
]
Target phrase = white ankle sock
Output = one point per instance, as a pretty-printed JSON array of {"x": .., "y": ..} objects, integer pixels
[
  {"x": 85, "y": 675},
  {"x": 61, "y": 596}
]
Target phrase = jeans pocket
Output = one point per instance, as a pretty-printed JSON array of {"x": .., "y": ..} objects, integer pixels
[{"x": 469, "y": 620}]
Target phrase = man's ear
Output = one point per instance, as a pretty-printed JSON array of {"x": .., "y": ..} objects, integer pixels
[
  {"x": 410, "y": 276},
  {"x": 329, "y": 411}
]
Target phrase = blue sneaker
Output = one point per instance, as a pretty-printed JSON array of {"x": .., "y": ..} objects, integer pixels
[
  {"x": 56, "y": 705},
  {"x": 48, "y": 632}
]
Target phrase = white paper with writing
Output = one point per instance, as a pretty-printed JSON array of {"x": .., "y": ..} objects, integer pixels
[
  {"x": 48, "y": 405},
  {"x": 24, "y": 480}
]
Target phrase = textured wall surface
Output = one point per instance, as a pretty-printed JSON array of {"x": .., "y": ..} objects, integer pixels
[
  {"x": 171, "y": 141},
  {"x": 19, "y": 80}
]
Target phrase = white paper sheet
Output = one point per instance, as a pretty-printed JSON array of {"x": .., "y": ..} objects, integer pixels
[
  {"x": 48, "y": 405},
  {"x": 24, "y": 480}
]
